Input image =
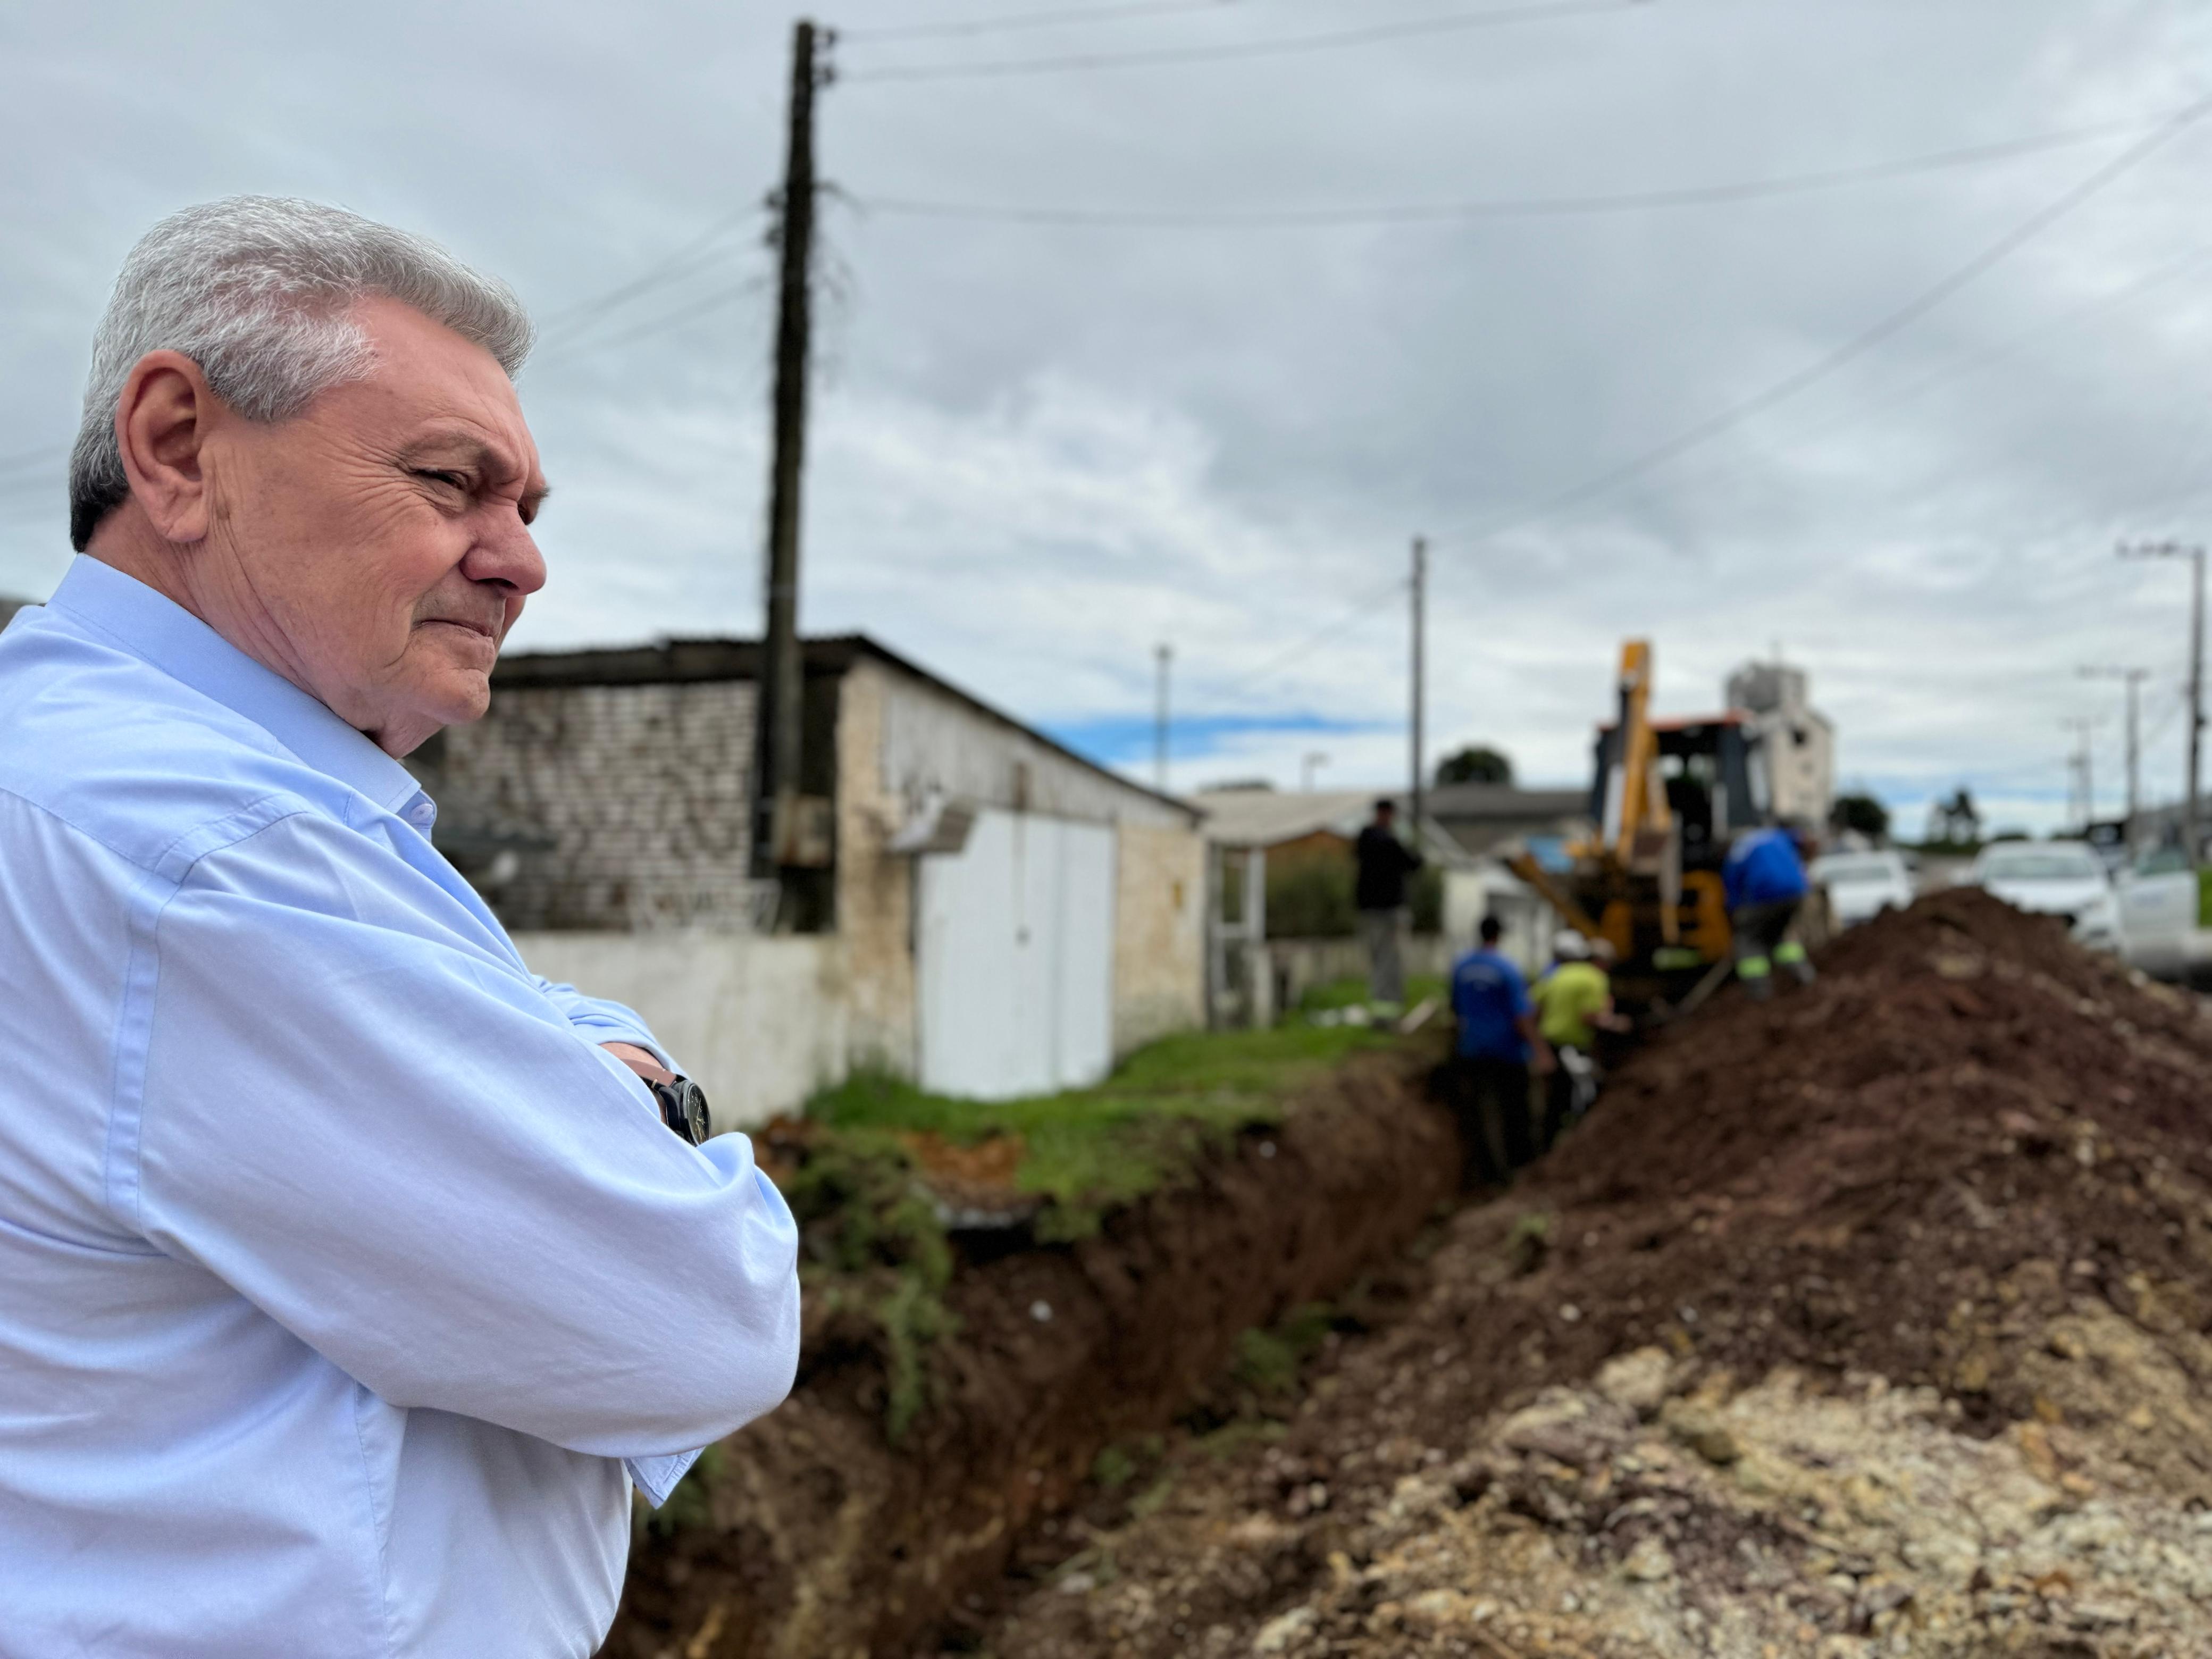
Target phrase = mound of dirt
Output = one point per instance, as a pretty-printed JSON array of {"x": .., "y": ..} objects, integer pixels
[{"x": 1915, "y": 1266}]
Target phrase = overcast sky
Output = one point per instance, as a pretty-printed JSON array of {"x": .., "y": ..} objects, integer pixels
[{"x": 1042, "y": 448}]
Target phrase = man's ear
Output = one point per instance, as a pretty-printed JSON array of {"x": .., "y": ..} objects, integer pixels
[{"x": 162, "y": 420}]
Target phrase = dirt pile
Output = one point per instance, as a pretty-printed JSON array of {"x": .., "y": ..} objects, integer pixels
[{"x": 1872, "y": 1320}]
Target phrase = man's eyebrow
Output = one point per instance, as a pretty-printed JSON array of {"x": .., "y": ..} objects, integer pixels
[{"x": 531, "y": 500}]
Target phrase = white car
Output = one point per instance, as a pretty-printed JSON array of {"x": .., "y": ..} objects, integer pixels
[
  {"x": 2163, "y": 917},
  {"x": 2061, "y": 878},
  {"x": 1861, "y": 886}
]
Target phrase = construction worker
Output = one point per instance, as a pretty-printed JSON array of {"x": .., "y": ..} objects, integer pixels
[
  {"x": 1764, "y": 884},
  {"x": 1574, "y": 1003},
  {"x": 1379, "y": 896},
  {"x": 1498, "y": 1039}
]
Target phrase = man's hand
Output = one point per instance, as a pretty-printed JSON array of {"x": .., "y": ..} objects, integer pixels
[{"x": 639, "y": 1060}]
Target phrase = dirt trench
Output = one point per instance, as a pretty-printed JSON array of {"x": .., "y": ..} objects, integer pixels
[
  {"x": 825, "y": 1541},
  {"x": 1876, "y": 1320}
]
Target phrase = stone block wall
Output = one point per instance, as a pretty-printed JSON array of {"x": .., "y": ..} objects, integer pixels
[{"x": 626, "y": 805}]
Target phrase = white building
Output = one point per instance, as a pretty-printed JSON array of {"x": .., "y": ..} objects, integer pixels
[{"x": 1797, "y": 740}]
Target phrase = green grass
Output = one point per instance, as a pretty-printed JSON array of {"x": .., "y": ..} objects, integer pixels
[
  {"x": 1086, "y": 1151},
  {"x": 1352, "y": 990},
  {"x": 873, "y": 1241}
]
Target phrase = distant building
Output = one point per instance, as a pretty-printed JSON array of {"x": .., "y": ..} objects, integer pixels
[
  {"x": 1483, "y": 817},
  {"x": 995, "y": 914},
  {"x": 1798, "y": 741},
  {"x": 1254, "y": 971}
]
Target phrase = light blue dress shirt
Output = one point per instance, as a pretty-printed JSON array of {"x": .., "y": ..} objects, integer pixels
[{"x": 341, "y": 1273}]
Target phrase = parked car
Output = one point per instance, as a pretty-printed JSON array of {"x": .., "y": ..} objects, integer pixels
[
  {"x": 2162, "y": 917},
  {"x": 1861, "y": 886},
  {"x": 2061, "y": 878}
]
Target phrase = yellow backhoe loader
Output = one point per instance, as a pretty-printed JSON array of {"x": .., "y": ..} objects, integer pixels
[{"x": 1666, "y": 797}]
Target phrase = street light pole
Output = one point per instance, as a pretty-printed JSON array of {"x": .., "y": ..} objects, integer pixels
[
  {"x": 2195, "y": 554},
  {"x": 1420, "y": 685},
  {"x": 1163, "y": 654},
  {"x": 2134, "y": 678}
]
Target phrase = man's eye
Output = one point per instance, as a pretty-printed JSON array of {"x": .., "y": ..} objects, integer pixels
[{"x": 451, "y": 480}]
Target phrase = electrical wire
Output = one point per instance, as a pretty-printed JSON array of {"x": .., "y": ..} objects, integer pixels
[
  {"x": 1973, "y": 362},
  {"x": 1409, "y": 28},
  {"x": 1803, "y": 380},
  {"x": 1527, "y": 207},
  {"x": 1357, "y": 612},
  {"x": 719, "y": 300},
  {"x": 1031, "y": 20},
  {"x": 693, "y": 256}
]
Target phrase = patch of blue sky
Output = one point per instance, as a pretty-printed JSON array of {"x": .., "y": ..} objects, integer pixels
[{"x": 1126, "y": 739}]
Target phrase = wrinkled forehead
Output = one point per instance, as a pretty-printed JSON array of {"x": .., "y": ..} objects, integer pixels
[{"x": 427, "y": 380}]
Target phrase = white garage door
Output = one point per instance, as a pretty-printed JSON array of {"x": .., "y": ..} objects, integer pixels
[{"x": 1017, "y": 958}]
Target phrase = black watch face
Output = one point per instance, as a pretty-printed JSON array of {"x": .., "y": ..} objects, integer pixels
[{"x": 695, "y": 1122}]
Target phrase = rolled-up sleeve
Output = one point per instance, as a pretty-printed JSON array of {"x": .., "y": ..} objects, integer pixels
[{"x": 407, "y": 1151}]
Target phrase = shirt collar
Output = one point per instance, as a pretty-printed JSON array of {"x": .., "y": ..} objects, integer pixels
[{"x": 180, "y": 645}]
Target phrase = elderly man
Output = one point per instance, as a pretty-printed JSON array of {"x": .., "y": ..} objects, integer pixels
[{"x": 350, "y": 1276}]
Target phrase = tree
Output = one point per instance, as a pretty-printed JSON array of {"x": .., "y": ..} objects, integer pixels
[
  {"x": 1862, "y": 813},
  {"x": 1955, "y": 821},
  {"x": 1476, "y": 764}
]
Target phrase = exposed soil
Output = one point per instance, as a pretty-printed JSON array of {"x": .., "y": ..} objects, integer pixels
[
  {"x": 1871, "y": 1319},
  {"x": 826, "y": 1539}
]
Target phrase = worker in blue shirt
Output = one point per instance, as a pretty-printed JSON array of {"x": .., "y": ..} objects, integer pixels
[
  {"x": 1497, "y": 1042},
  {"x": 1764, "y": 883}
]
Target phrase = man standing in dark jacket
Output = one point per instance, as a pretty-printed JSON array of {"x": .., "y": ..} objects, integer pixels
[{"x": 1380, "y": 897}]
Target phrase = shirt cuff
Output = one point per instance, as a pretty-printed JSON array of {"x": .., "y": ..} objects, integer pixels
[{"x": 656, "y": 1477}]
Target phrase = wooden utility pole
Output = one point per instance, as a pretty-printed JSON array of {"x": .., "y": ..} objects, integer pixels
[
  {"x": 2134, "y": 678},
  {"x": 783, "y": 676},
  {"x": 1163, "y": 655},
  {"x": 2080, "y": 789},
  {"x": 2195, "y": 554},
  {"x": 1420, "y": 685}
]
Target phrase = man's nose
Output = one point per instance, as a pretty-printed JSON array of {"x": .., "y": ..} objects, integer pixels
[{"x": 506, "y": 553}]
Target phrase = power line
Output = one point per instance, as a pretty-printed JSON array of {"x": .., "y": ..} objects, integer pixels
[
  {"x": 1527, "y": 207},
  {"x": 1858, "y": 345},
  {"x": 1449, "y": 23},
  {"x": 719, "y": 300},
  {"x": 1032, "y": 19},
  {"x": 694, "y": 255},
  {"x": 1357, "y": 612},
  {"x": 1973, "y": 361}
]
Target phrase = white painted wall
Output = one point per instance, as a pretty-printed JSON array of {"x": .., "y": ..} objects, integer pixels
[
  {"x": 759, "y": 1022},
  {"x": 934, "y": 744},
  {"x": 1016, "y": 969}
]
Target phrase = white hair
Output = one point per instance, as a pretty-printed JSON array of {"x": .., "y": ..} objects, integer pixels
[{"x": 260, "y": 291}]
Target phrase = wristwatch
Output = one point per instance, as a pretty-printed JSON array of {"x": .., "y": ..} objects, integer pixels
[{"x": 683, "y": 1109}]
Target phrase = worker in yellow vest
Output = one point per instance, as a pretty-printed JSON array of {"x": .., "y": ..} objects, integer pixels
[{"x": 1574, "y": 1003}]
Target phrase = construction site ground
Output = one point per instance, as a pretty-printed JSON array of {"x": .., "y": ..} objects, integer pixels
[{"x": 1872, "y": 1320}]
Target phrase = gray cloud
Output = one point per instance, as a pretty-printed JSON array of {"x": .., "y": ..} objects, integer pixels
[{"x": 1041, "y": 449}]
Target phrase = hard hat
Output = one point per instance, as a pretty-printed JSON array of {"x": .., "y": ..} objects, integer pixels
[{"x": 1570, "y": 946}]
